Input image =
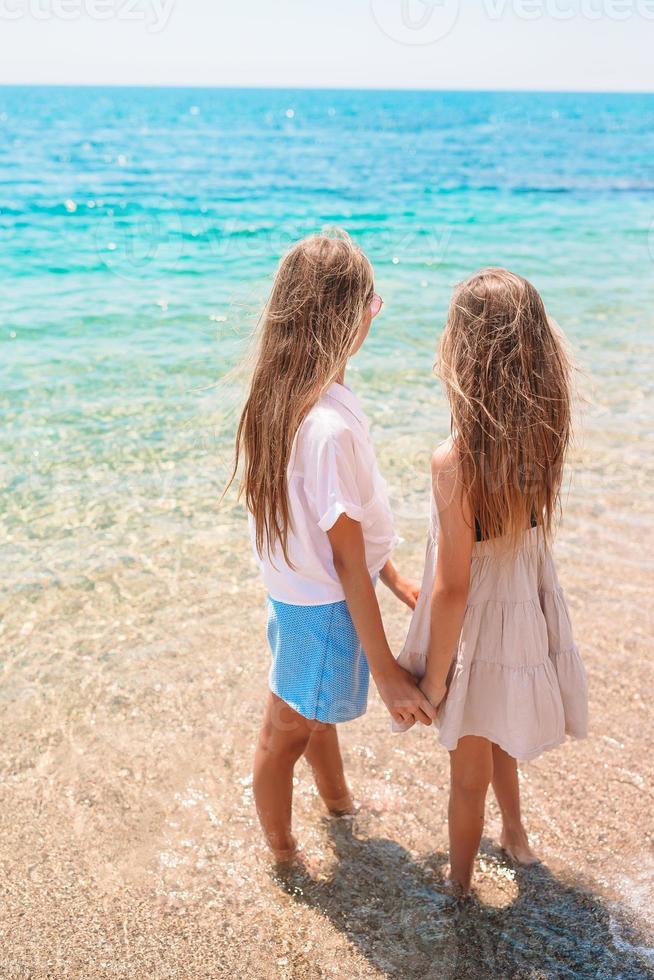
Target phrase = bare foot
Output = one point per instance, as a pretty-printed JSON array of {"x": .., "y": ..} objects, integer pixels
[
  {"x": 454, "y": 888},
  {"x": 292, "y": 861},
  {"x": 294, "y": 874},
  {"x": 285, "y": 855},
  {"x": 516, "y": 844},
  {"x": 289, "y": 855}
]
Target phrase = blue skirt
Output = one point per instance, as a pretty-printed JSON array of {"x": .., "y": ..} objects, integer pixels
[{"x": 318, "y": 665}]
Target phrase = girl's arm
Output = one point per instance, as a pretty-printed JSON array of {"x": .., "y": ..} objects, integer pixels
[
  {"x": 405, "y": 589},
  {"x": 452, "y": 581},
  {"x": 396, "y": 686}
]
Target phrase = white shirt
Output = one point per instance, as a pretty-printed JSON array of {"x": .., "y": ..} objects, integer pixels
[{"x": 332, "y": 471}]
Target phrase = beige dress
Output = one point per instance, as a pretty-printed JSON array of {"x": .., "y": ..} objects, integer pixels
[{"x": 517, "y": 677}]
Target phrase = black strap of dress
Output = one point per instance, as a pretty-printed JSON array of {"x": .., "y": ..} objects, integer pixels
[{"x": 478, "y": 537}]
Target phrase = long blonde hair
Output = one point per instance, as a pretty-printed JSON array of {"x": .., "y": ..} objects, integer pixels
[
  {"x": 307, "y": 331},
  {"x": 507, "y": 377}
]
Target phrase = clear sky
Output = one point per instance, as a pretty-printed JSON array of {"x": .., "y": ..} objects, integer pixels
[{"x": 524, "y": 44}]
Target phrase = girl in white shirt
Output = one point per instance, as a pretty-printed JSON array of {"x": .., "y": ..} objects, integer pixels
[{"x": 321, "y": 528}]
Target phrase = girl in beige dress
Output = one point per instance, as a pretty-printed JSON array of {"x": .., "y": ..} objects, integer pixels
[{"x": 490, "y": 637}]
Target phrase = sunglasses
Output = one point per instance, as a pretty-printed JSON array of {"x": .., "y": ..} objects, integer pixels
[{"x": 376, "y": 304}]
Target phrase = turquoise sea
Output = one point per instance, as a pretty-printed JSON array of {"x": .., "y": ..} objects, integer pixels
[
  {"x": 140, "y": 228},
  {"x": 139, "y": 233}
]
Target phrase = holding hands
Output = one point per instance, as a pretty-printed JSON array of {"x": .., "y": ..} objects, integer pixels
[
  {"x": 398, "y": 688},
  {"x": 403, "y": 698},
  {"x": 408, "y": 700}
]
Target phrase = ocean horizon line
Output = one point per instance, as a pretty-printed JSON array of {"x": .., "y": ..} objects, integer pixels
[{"x": 446, "y": 90}]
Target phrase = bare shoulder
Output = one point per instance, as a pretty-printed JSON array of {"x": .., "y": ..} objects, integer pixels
[
  {"x": 447, "y": 486},
  {"x": 444, "y": 458},
  {"x": 445, "y": 469}
]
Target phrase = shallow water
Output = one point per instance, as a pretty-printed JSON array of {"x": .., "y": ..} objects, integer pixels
[
  {"x": 139, "y": 231},
  {"x": 138, "y": 234}
]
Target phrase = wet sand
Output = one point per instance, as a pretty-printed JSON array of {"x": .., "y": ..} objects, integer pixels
[{"x": 128, "y": 839}]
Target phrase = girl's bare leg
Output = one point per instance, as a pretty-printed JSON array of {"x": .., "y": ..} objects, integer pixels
[
  {"x": 283, "y": 738},
  {"x": 323, "y": 753},
  {"x": 471, "y": 770},
  {"x": 507, "y": 792}
]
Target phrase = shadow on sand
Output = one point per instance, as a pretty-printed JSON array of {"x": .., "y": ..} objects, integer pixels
[{"x": 394, "y": 911}]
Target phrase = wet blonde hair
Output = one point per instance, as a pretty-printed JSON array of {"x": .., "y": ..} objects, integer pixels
[
  {"x": 306, "y": 334},
  {"x": 507, "y": 377}
]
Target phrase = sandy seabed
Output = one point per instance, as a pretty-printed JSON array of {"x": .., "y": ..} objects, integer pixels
[{"x": 129, "y": 844}]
